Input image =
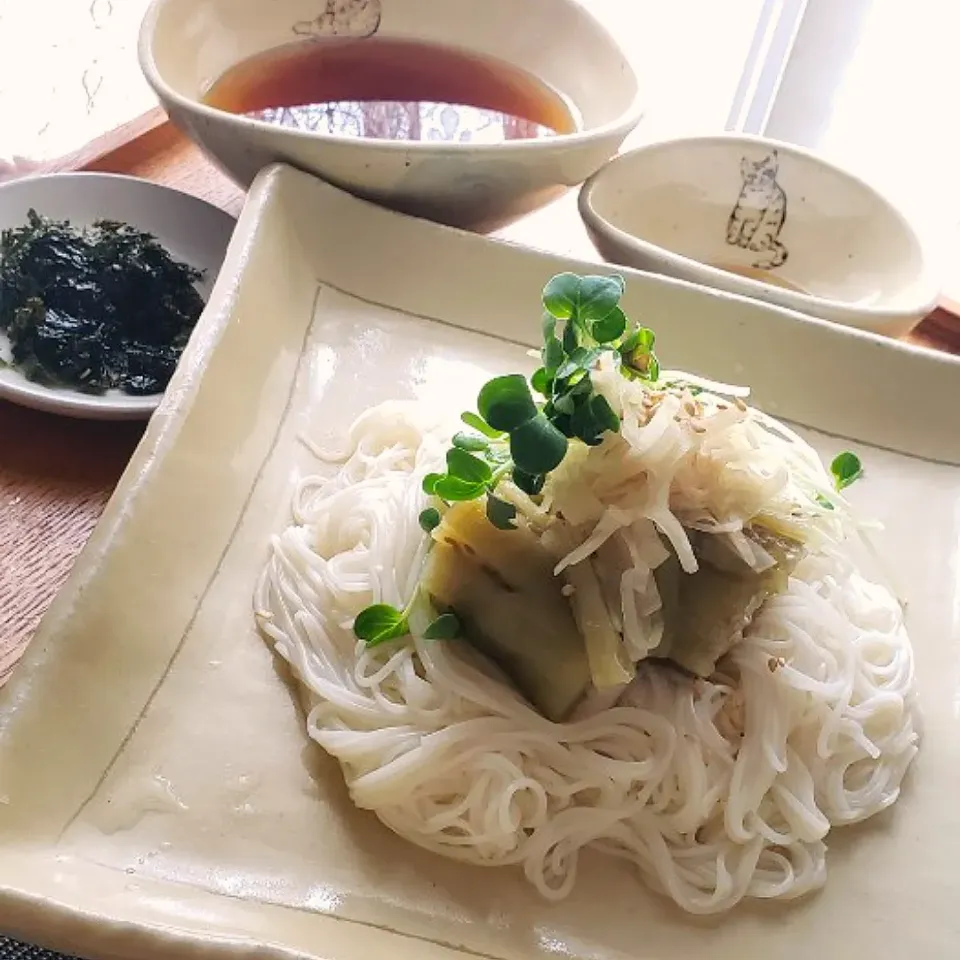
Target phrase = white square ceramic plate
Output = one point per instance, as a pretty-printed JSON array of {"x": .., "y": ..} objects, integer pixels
[{"x": 159, "y": 795}]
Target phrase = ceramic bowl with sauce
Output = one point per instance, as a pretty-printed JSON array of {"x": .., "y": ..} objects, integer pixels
[
  {"x": 767, "y": 220},
  {"x": 471, "y": 114}
]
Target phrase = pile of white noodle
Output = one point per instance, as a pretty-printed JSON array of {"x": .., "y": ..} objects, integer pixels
[{"x": 716, "y": 790}]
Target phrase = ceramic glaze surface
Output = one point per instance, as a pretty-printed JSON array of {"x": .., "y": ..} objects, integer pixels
[
  {"x": 763, "y": 219},
  {"x": 186, "y": 45},
  {"x": 177, "y": 807}
]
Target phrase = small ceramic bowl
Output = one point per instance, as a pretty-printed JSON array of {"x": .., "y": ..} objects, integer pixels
[
  {"x": 185, "y": 45},
  {"x": 766, "y": 220},
  {"x": 192, "y": 230}
]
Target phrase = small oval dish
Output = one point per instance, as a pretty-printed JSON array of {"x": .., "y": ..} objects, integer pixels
[
  {"x": 766, "y": 220},
  {"x": 450, "y": 174},
  {"x": 192, "y": 231}
]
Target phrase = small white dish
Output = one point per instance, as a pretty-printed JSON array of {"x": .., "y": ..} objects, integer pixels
[
  {"x": 192, "y": 230},
  {"x": 186, "y": 45},
  {"x": 767, "y": 220}
]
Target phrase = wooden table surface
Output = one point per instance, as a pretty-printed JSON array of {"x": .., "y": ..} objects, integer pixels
[{"x": 57, "y": 474}]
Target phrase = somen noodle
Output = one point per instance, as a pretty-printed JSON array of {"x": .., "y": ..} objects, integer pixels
[{"x": 716, "y": 787}]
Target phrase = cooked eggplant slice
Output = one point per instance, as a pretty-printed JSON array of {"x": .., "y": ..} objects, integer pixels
[
  {"x": 705, "y": 613},
  {"x": 554, "y": 637},
  {"x": 510, "y": 605}
]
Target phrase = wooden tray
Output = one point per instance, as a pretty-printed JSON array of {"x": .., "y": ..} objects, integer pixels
[{"x": 151, "y": 147}]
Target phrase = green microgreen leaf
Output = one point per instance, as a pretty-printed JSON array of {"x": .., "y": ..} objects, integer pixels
[
  {"x": 823, "y": 502},
  {"x": 530, "y": 483},
  {"x": 470, "y": 442},
  {"x": 429, "y": 519},
  {"x": 465, "y": 466},
  {"x": 590, "y": 298},
  {"x": 610, "y": 327},
  {"x": 603, "y": 414},
  {"x": 548, "y": 326},
  {"x": 564, "y": 423},
  {"x": 552, "y": 354},
  {"x": 537, "y": 446},
  {"x": 445, "y": 627},
  {"x": 472, "y": 420},
  {"x": 593, "y": 418},
  {"x": 580, "y": 359},
  {"x": 542, "y": 382},
  {"x": 561, "y": 295},
  {"x": 380, "y": 623},
  {"x": 629, "y": 343},
  {"x": 846, "y": 468},
  {"x": 587, "y": 309},
  {"x": 598, "y": 297},
  {"x": 583, "y": 425},
  {"x": 580, "y": 385},
  {"x": 642, "y": 364},
  {"x": 506, "y": 402},
  {"x": 643, "y": 338},
  {"x": 636, "y": 353},
  {"x": 454, "y": 489},
  {"x": 501, "y": 514}
]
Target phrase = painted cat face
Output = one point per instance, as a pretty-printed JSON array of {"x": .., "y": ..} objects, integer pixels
[{"x": 760, "y": 173}]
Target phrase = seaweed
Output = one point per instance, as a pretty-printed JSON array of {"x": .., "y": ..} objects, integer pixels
[{"x": 94, "y": 309}]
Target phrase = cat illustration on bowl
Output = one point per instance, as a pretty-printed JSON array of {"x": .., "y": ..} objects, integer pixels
[{"x": 760, "y": 212}]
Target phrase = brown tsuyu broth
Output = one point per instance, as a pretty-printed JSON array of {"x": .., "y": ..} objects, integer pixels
[{"x": 392, "y": 89}]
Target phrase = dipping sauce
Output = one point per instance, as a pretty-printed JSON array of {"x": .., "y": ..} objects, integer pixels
[
  {"x": 389, "y": 89},
  {"x": 764, "y": 276}
]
